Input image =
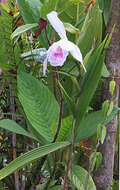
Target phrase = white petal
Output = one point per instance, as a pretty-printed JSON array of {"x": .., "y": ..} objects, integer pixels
[
  {"x": 44, "y": 66},
  {"x": 73, "y": 49},
  {"x": 75, "y": 52},
  {"x": 57, "y": 24},
  {"x": 66, "y": 44}
]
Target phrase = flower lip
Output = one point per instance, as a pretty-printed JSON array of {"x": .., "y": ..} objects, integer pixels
[
  {"x": 58, "y": 52},
  {"x": 57, "y": 55}
]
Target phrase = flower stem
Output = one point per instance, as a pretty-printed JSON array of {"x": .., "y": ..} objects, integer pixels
[
  {"x": 49, "y": 42},
  {"x": 61, "y": 107},
  {"x": 54, "y": 82},
  {"x": 77, "y": 19}
]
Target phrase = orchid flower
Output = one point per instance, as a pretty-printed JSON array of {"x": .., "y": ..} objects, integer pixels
[{"x": 58, "y": 51}]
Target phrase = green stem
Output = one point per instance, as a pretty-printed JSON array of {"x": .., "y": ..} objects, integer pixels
[{"x": 77, "y": 19}]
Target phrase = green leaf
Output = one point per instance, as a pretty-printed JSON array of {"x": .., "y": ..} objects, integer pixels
[
  {"x": 105, "y": 107},
  {"x": 22, "y": 29},
  {"x": 90, "y": 123},
  {"x": 99, "y": 128},
  {"x": 79, "y": 176},
  {"x": 112, "y": 115},
  {"x": 111, "y": 106},
  {"x": 95, "y": 159},
  {"x": 92, "y": 160},
  {"x": 90, "y": 81},
  {"x": 30, "y": 157},
  {"x": 15, "y": 128},
  {"x": 88, "y": 126},
  {"x": 103, "y": 134},
  {"x": 76, "y": 1},
  {"x": 47, "y": 7},
  {"x": 38, "y": 55},
  {"x": 109, "y": 37},
  {"x": 40, "y": 106},
  {"x": 57, "y": 187},
  {"x": 98, "y": 160},
  {"x": 105, "y": 72},
  {"x": 93, "y": 22},
  {"x": 70, "y": 28},
  {"x": 69, "y": 100},
  {"x": 105, "y": 6},
  {"x": 30, "y": 10},
  {"x": 112, "y": 86},
  {"x": 66, "y": 126}
]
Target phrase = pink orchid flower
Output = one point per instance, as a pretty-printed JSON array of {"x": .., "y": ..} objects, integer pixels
[{"x": 58, "y": 51}]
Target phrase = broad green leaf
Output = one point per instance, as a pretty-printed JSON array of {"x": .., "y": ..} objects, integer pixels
[
  {"x": 30, "y": 10},
  {"x": 30, "y": 157},
  {"x": 87, "y": 58},
  {"x": 69, "y": 100},
  {"x": 22, "y": 29},
  {"x": 66, "y": 126},
  {"x": 39, "y": 104},
  {"x": 47, "y": 7},
  {"x": 112, "y": 115},
  {"x": 15, "y": 128},
  {"x": 90, "y": 123},
  {"x": 79, "y": 176},
  {"x": 88, "y": 126},
  {"x": 93, "y": 22},
  {"x": 61, "y": 7},
  {"x": 90, "y": 81},
  {"x": 105, "y": 7},
  {"x": 106, "y": 10}
]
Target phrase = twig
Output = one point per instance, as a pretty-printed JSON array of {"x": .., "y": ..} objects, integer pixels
[
  {"x": 12, "y": 110},
  {"x": 66, "y": 174}
]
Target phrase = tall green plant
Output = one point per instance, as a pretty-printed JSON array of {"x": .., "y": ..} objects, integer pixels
[{"x": 55, "y": 106}]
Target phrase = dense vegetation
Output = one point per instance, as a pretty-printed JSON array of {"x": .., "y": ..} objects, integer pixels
[{"x": 52, "y": 115}]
